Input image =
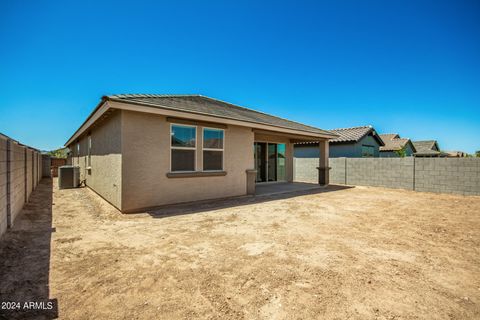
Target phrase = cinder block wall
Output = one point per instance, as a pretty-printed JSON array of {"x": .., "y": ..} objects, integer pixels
[
  {"x": 337, "y": 170},
  {"x": 445, "y": 175},
  {"x": 450, "y": 175},
  {"x": 20, "y": 173},
  {"x": 3, "y": 186},
  {"x": 380, "y": 172},
  {"x": 305, "y": 169}
]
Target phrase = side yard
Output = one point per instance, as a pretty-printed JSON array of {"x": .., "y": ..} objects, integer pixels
[{"x": 339, "y": 253}]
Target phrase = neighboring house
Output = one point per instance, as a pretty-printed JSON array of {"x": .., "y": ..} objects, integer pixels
[
  {"x": 142, "y": 151},
  {"x": 456, "y": 154},
  {"x": 428, "y": 148},
  {"x": 356, "y": 142},
  {"x": 394, "y": 144}
]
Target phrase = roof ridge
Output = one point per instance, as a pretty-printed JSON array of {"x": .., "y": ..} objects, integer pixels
[
  {"x": 264, "y": 113},
  {"x": 147, "y": 95},
  {"x": 349, "y": 128}
]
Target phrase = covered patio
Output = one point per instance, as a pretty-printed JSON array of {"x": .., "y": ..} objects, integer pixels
[{"x": 273, "y": 171}]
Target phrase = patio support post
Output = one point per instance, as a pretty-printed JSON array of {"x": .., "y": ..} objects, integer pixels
[
  {"x": 323, "y": 168},
  {"x": 251, "y": 175}
]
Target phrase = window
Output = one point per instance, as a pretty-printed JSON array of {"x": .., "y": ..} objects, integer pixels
[
  {"x": 183, "y": 147},
  {"x": 368, "y": 151},
  {"x": 89, "y": 139},
  {"x": 212, "y": 149}
]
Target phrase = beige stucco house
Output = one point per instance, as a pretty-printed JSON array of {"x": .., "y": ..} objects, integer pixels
[{"x": 143, "y": 151}]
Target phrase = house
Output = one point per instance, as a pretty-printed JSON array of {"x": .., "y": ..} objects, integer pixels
[
  {"x": 142, "y": 151},
  {"x": 394, "y": 145},
  {"x": 456, "y": 154},
  {"x": 428, "y": 148},
  {"x": 355, "y": 142}
]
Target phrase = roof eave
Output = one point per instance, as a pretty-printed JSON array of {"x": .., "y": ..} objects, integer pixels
[
  {"x": 84, "y": 126},
  {"x": 324, "y": 134}
]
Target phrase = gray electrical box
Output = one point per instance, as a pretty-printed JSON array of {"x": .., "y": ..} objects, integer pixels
[{"x": 68, "y": 177}]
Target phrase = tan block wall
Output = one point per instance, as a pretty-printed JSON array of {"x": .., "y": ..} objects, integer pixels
[
  {"x": 146, "y": 162},
  {"x": 105, "y": 176},
  {"x": 29, "y": 173},
  {"x": 20, "y": 184},
  {"x": 3, "y": 186},
  {"x": 17, "y": 176}
]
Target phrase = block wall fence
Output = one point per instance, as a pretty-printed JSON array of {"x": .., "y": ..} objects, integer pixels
[
  {"x": 20, "y": 173},
  {"x": 443, "y": 175}
]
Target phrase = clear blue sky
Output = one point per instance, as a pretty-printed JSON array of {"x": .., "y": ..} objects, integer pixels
[{"x": 410, "y": 67}]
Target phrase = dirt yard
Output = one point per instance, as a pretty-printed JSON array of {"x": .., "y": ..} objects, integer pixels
[{"x": 351, "y": 253}]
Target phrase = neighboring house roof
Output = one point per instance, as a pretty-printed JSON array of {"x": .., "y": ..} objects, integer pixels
[
  {"x": 202, "y": 105},
  {"x": 456, "y": 154},
  {"x": 427, "y": 148},
  {"x": 353, "y": 134},
  {"x": 393, "y": 142},
  {"x": 425, "y": 145}
]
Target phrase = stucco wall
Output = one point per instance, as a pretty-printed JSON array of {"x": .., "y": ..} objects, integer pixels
[
  {"x": 105, "y": 175},
  {"x": 146, "y": 162}
]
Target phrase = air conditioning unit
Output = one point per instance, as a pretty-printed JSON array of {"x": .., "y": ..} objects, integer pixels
[{"x": 68, "y": 177}]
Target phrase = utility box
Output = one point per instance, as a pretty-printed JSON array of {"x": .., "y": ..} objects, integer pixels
[{"x": 68, "y": 177}]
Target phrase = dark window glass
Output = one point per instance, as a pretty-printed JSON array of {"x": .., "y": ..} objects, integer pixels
[
  {"x": 212, "y": 160},
  {"x": 212, "y": 139},
  {"x": 183, "y": 160},
  {"x": 368, "y": 151},
  {"x": 281, "y": 162},
  {"x": 183, "y": 136}
]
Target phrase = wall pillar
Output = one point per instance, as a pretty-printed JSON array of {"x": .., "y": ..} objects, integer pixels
[
  {"x": 251, "y": 177},
  {"x": 323, "y": 168}
]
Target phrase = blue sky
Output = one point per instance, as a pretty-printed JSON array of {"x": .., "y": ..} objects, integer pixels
[{"x": 409, "y": 67}]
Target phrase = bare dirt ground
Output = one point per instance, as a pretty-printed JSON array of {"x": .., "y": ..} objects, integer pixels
[{"x": 356, "y": 253}]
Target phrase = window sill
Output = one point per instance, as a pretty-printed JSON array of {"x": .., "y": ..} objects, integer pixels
[{"x": 196, "y": 174}]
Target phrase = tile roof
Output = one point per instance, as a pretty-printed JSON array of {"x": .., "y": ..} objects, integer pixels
[
  {"x": 352, "y": 134},
  {"x": 209, "y": 106},
  {"x": 425, "y": 146},
  {"x": 393, "y": 142}
]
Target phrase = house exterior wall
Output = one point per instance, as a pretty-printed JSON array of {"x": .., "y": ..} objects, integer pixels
[
  {"x": 146, "y": 162},
  {"x": 105, "y": 175},
  {"x": 393, "y": 154},
  {"x": 337, "y": 150}
]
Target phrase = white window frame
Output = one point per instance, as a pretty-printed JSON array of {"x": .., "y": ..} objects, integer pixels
[
  {"x": 89, "y": 148},
  {"x": 184, "y": 148},
  {"x": 213, "y": 149}
]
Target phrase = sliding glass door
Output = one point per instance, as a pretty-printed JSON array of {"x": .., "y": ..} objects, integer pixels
[{"x": 269, "y": 161}]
